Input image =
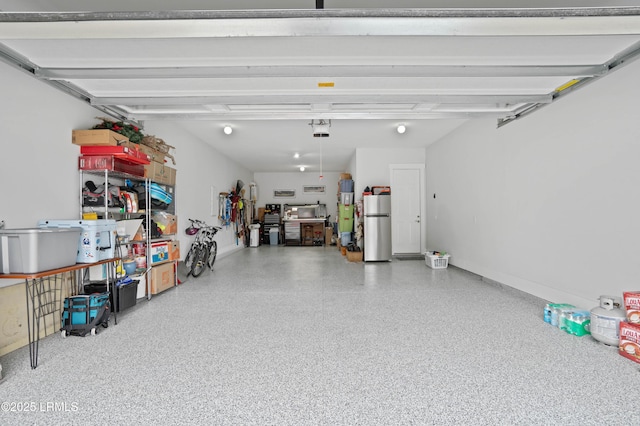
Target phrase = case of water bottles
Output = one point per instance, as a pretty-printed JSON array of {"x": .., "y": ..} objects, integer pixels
[{"x": 568, "y": 318}]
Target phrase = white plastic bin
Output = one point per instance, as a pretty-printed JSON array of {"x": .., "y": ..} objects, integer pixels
[
  {"x": 346, "y": 198},
  {"x": 142, "y": 285},
  {"x": 97, "y": 240},
  {"x": 32, "y": 250},
  {"x": 254, "y": 236}
]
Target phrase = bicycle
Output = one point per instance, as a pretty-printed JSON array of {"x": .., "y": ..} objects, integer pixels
[{"x": 204, "y": 248}]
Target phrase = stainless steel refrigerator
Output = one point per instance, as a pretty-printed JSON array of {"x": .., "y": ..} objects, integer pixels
[{"x": 377, "y": 227}]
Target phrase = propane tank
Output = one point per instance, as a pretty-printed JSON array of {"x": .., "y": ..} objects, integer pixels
[{"x": 605, "y": 320}]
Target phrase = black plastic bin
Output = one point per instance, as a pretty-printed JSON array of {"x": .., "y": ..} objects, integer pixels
[{"x": 126, "y": 294}]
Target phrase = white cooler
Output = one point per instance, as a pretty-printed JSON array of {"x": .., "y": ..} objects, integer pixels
[{"x": 97, "y": 239}]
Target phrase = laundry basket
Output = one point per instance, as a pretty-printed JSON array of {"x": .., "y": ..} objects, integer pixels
[{"x": 436, "y": 259}]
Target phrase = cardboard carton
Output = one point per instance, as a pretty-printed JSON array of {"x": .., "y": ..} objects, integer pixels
[
  {"x": 160, "y": 173},
  {"x": 632, "y": 306},
  {"x": 630, "y": 341},
  {"x": 97, "y": 137},
  {"x": 162, "y": 278}
]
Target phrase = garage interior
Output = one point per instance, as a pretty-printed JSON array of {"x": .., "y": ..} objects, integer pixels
[{"x": 522, "y": 118}]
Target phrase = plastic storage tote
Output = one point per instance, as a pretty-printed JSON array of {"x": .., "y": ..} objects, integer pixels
[
  {"x": 97, "y": 240},
  {"x": 28, "y": 251},
  {"x": 274, "y": 236},
  {"x": 345, "y": 218},
  {"x": 126, "y": 289},
  {"x": 346, "y": 185}
]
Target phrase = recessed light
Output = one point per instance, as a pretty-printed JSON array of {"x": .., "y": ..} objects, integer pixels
[
  {"x": 296, "y": 155},
  {"x": 302, "y": 168},
  {"x": 227, "y": 130},
  {"x": 401, "y": 128}
]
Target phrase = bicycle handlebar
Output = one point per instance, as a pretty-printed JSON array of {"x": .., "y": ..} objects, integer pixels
[{"x": 197, "y": 223}]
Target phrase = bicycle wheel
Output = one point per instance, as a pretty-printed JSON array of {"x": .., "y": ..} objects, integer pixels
[
  {"x": 213, "y": 251},
  {"x": 188, "y": 259},
  {"x": 199, "y": 261}
]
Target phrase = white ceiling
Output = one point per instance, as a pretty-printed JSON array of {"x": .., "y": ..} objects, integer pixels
[{"x": 263, "y": 69}]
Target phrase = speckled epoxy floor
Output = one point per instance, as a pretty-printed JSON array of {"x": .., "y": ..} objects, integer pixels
[{"x": 299, "y": 336}]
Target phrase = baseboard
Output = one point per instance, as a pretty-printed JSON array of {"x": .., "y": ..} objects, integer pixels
[
  {"x": 409, "y": 256},
  {"x": 229, "y": 250},
  {"x": 516, "y": 292},
  {"x": 543, "y": 293}
]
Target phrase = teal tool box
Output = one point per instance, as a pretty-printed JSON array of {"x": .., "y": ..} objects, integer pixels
[{"x": 83, "y": 313}]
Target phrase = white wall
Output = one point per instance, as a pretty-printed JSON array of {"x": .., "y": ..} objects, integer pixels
[
  {"x": 203, "y": 172},
  {"x": 547, "y": 204},
  {"x": 38, "y": 163},
  {"x": 268, "y": 182},
  {"x": 372, "y": 165}
]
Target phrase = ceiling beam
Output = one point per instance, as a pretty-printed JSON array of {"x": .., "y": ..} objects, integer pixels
[
  {"x": 321, "y": 22},
  {"x": 632, "y": 53},
  {"x": 256, "y": 99},
  {"x": 429, "y": 12},
  {"x": 335, "y": 71},
  {"x": 141, "y": 116}
]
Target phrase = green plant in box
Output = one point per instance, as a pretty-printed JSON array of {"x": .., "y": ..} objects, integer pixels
[{"x": 129, "y": 130}]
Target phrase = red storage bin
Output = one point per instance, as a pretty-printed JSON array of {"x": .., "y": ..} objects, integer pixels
[
  {"x": 109, "y": 162},
  {"x": 377, "y": 190},
  {"x": 122, "y": 152}
]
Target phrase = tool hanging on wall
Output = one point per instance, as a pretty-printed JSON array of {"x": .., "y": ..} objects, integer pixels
[
  {"x": 224, "y": 209},
  {"x": 238, "y": 219},
  {"x": 253, "y": 192}
]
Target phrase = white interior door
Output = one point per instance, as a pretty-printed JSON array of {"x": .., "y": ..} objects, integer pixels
[{"x": 406, "y": 208}]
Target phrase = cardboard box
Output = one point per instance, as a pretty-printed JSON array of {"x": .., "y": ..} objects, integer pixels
[
  {"x": 160, "y": 173},
  {"x": 328, "y": 233},
  {"x": 354, "y": 256},
  {"x": 97, "y": 137},
  {"x": 168, "y": 223},
  {"x": 174, "y": 250},
  {"x": 162, "y": 278},
  {"x": 154, "y": 154},
  {"x": 630, "y": 341},
  {"x": 159, "y": 252},
  {"x": 632, "y": 306}
]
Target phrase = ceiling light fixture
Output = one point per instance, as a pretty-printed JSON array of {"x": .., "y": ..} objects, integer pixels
[
  {"x": 401, "y": 128},
  {"x": 320, "y": 128},
  {"x": 296, "y": 155},
  {"x": 227, "y": 130},
  {"x": 302, "y": 168}
]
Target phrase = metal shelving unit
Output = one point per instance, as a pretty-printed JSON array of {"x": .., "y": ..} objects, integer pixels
[{"x": 119, "y": 213}]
